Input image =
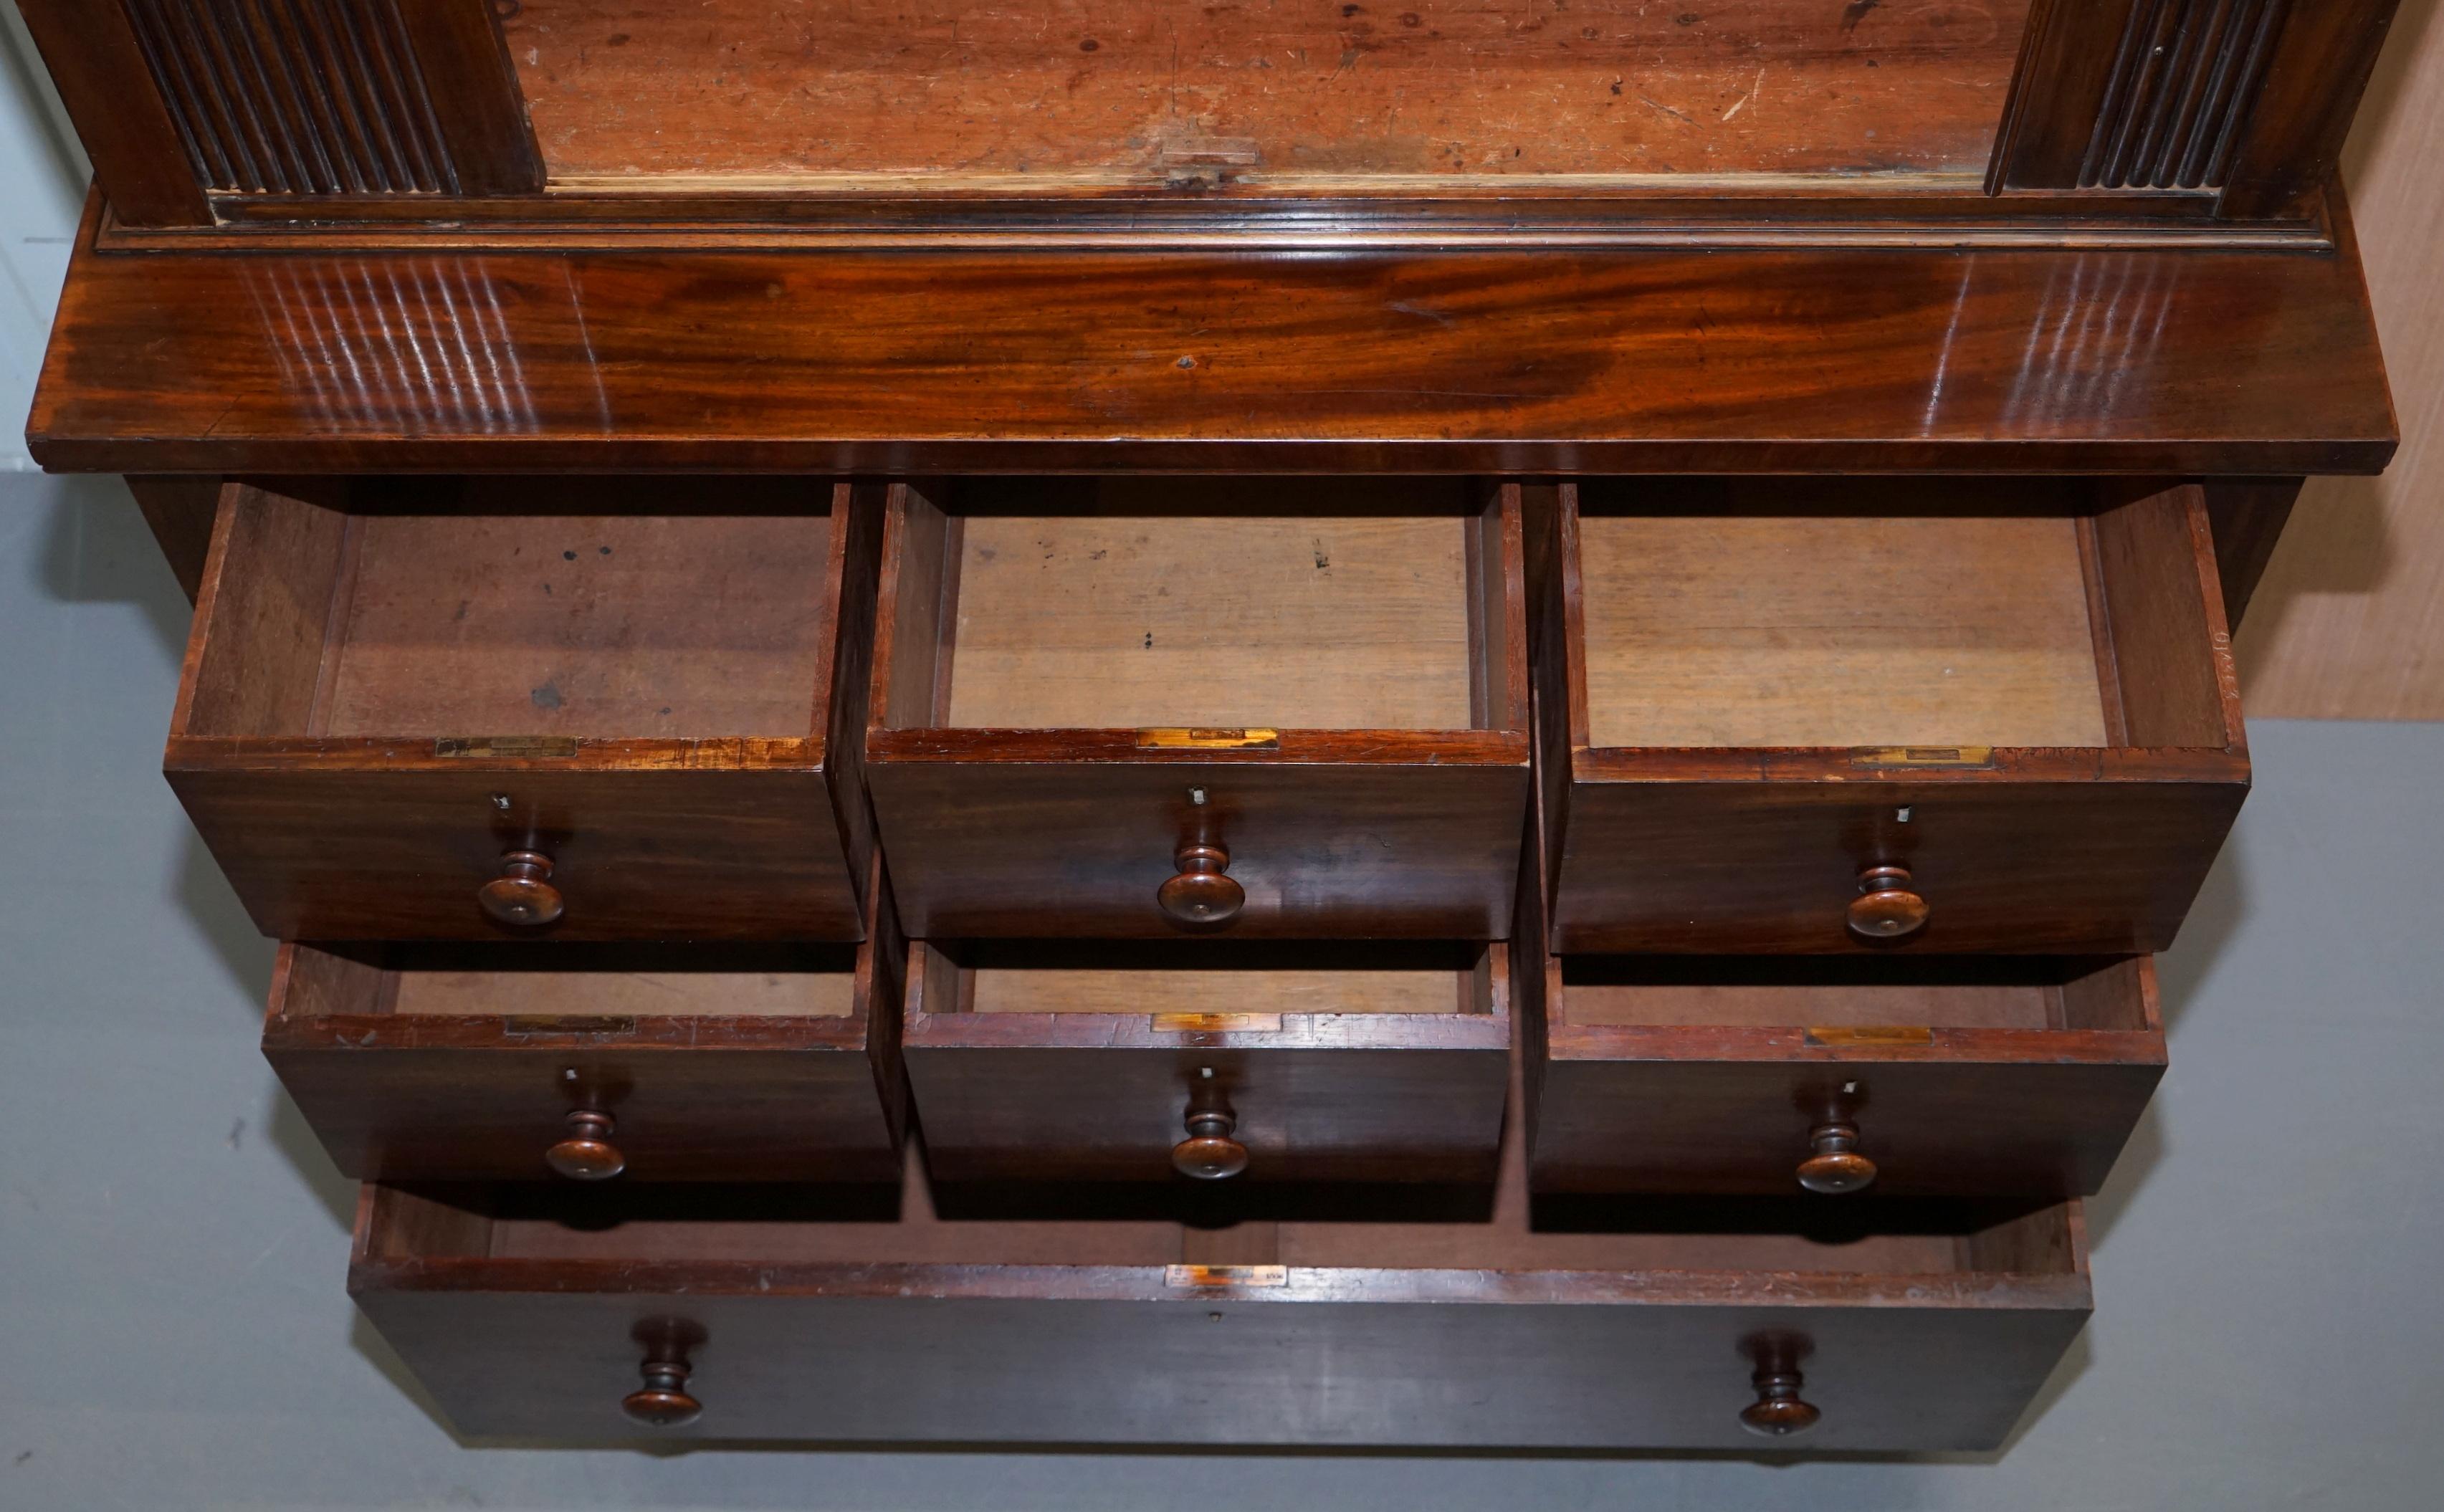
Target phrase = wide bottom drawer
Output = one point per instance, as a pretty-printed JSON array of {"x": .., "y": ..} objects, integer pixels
[{"x": 602, "y": 1314}]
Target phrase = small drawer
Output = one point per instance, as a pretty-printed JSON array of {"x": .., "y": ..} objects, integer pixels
[
  {"x": 448, "y": 711},
  {"x": 1899, "y": 1075},
  {"x": 1914, "y": 716},
  {"x": 1051, "y": 1061},
  {"x": 1147, "y": 708},
  {"x": 1624, "y": 1323},
  {"x": 484, "y": 1061}
]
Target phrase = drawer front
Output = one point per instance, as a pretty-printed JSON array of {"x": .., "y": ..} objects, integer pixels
[
  {"x": 1110, "y": 1356},
  {"x": 409, "y": 852},
  {"x": 491, "y": 1099},
  {"x": 1297, "y": 1114},
  {"x": 1055, "y": 848},
  {"x": 2001, "y": 865},
  {"x": 1932, "y": 1127}
]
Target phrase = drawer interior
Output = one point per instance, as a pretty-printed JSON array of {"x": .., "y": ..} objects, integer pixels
[
  {"x": 1924, "y": 1237},
  {"x": 558, "y": 622},
  {"x": 1115, "y": 603},
  {"x": 1140, "y": 978},
  {"x": 1083, "y": 93},
  {"x": 1766, "y": 613},
  {"x": 1861, "y": 993},
  {"x": 568, "y": 980}
]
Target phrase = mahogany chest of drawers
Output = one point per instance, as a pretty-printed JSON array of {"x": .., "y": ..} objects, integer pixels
[{"x": 1292, "y": 726}]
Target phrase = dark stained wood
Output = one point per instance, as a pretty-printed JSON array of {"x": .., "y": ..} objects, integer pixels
[
  {"x": 2092, "y": 852},
  {"x": 366, "y": 790},
  {"x": 780, "y": 1063},
  {"x": 2091, "y": 849},
  {"x": 2317, "y": 67},
  {"x": 98, "y": 66},
  {"x": 1660, "y": 214},
  {"x": 2246, "y": 516},
  {"x": 1710, "y": 1077},
  {"x": 1919, "y": 1325},
  {"x": 2069, "y": 54},
  {"x": 2251, "y": 97},
  {"x": 179, "y": 510},
  {"x": 2178, "y": 361},
  {"x": 1329, "y": 832},
  {"x": 2162, "y": 594},
  {"x": 482, "y": 114},
  {"x": 1411, "y": 1094}
]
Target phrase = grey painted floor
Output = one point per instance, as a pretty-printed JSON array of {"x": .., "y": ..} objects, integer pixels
[{"x": 173, "y": 1330}]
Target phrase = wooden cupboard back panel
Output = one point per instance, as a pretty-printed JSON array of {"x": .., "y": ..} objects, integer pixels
[{"x": 1096, "y": 93}]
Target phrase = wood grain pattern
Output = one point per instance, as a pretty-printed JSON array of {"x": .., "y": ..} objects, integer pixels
[
  {"x": 1571, "y": 361},
  {"x": 749, "y": 1063},
  {"x": 1333, "y": 833},
  {"x": 2349, "y": 619},
  {"x": 1339, "y": 1064},
  {"x": 1708, "y": 1076},
  {"x": 334, "y": 822},
  {"x": 96, "y": 61},
  {"x": 462, "y": 1063},
  {"x": 1834, "y": 630},
  {"x": 980, "y": 99},
  {"x": 2094, "y": 850},
  {"x": 1626, "y": 1325}
]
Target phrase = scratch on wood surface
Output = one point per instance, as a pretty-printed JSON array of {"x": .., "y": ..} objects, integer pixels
[
  {"x": 1656, "y": 104},
  {"x": 1738, "y": 105}
]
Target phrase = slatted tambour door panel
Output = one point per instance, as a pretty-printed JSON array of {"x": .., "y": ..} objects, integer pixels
[
  {"x": 297, "y": 97},
  {"x": 2184, "y": 81}
]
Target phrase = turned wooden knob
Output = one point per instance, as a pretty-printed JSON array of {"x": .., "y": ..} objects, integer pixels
[
  {"x": 1779, "y": 1410},
  {"x": 523, "y": 896},
  {"x": 1208, "y": 1153},
  {"x": 1885, "y": 908},
  {"x": 663, "y": 1401},
  {"x": 587, "y": 1153},
  {"x": 1836, "y": 1166},
  {"x": 1201, "y": 893}
]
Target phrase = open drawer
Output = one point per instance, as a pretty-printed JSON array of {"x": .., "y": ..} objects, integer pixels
[
  {"x": 1878, "y": 1325},
  {"x": 1905, "y": 1075},
  {"x": 1143, "y": 707},
  {"x": 1928, "y": 715},
  {"x": 1291, "y": 1061},
  {"x": 597, "y": 709},
  {"x": 650, "y": 1063}
]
